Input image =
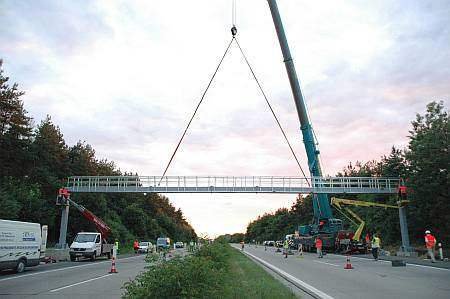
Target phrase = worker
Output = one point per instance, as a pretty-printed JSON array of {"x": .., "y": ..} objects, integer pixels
[
  {"x": 319, "y": 244},
  {"x": 402, "y": 191},
  {"x": 286, "y": 248},
  {"x": 376, "y": 244},
  {"x": 367, "y": 239},
  {"x": 319, "y": 247},
  {"x": 136, "y": 246},
  {"x": 430, "y": 242},
  {"x": 242, "y": 245}
]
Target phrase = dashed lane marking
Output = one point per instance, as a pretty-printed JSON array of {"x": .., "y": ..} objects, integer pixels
[
  {"x": 78, "y": 283},
  {"x": 65, "y": 268}
]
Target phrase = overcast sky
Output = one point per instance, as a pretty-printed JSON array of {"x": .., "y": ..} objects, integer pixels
[{"x": 125, "y": 77}]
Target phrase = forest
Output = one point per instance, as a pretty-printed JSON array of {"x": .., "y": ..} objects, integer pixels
[
  {"x": 423, "y": 163},
  {"x": 34, "y": 162}
]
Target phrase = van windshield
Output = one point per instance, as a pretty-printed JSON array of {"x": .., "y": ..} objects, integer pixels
[{"x": 84, "y": 238}]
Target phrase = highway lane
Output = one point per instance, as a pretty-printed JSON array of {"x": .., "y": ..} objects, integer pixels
[
  {"x": 72, "y": 279},
  {"x": 368, "y": 279}
]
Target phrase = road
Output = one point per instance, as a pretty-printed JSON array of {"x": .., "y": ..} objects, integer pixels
[
  {"x": 368, "y": 279},
  {"x": 84, "y": 279}
]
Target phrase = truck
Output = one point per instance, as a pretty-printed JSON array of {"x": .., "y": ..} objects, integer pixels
[
  {"x": 22, "y": 244},
  {"x": 162, "y": 243},
  {"x": 87, "y": 244}
]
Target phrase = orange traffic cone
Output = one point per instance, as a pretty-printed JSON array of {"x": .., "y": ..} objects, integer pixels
[
  {"x": 348, "y": 265},
  {"x": 113, "y": 266}
]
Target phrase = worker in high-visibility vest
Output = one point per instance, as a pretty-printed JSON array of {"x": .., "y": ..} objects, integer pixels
[
  {"x": 376, "y": 244},
  {"x": 286, "y": 248},
  {"x": 430, "y": 242},
  {"x": 319, "y": 247}
]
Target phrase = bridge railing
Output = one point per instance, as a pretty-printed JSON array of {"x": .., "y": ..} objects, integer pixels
[{"x": 232, "y": 184}]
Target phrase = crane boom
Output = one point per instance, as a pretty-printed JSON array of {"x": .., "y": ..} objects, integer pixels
[{"x": 321, "y": 205}]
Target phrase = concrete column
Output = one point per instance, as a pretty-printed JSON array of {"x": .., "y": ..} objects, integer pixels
[{"x": 63, "y": 228}]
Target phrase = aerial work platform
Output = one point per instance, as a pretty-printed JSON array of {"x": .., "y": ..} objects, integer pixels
[{"x": 232, "y": 184}]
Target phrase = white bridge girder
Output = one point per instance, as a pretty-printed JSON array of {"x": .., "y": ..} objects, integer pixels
[{"x": 232, "y": 184}]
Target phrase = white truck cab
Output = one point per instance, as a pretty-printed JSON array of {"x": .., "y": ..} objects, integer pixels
[{"x": 89, "y": 245}]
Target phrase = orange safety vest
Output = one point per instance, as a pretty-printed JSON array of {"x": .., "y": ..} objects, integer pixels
[
  {"x": 135, "y": 245},
  {"x": 319, "y": 243},
  {"x": 430, "y": 241},
  {"x": 402, "y": 189}
]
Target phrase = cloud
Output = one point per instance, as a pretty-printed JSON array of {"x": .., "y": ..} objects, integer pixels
[{"x": 126, "y": 76}]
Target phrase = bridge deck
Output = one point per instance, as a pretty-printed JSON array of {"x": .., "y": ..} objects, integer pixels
[{"x": 232, "y": 184}]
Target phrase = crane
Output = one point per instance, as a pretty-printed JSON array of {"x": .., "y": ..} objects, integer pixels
[
  {"x": 64, "y": 198},
  {"x": 323, "y": 221}
]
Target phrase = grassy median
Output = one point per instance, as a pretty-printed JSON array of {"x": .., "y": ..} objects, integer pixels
[{"x": 214, "y": 271}]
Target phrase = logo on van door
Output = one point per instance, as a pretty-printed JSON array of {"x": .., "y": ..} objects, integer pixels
[{"x": 28, "y": 236}]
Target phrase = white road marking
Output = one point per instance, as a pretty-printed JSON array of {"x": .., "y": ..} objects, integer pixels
[
  {"x": 304, "y": 285},
  {"x": 326, "y": 263},
  {"x": 65, "y": 268},
  {"x": 78, "y": 283},
  {"x": 385, "y": 261}
]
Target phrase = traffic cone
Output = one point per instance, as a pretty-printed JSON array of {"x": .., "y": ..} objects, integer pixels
[
  {"x": 348, "y": 265},
  {"x": 113, "y": 266}
]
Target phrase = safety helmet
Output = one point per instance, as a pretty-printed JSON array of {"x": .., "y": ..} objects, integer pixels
[{"x": 427, "y": 232}]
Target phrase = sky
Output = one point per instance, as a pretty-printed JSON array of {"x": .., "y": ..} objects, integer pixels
[{"x": 125, "y": 76}]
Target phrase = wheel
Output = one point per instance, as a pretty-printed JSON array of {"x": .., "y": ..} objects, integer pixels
[
  {"x": 109, "y": 255},
  {"x": 73, "y": 258},
  {"x": 20, "y": 267},
  {"x": 94, "y": 256}
]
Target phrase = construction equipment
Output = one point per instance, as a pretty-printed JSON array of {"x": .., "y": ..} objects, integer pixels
[
  {"x": 102, "y": 227},
  {"x": 351, "y": 242},
  {"x": 323, "y": 224},
  {"x": 87, "y": 244}
]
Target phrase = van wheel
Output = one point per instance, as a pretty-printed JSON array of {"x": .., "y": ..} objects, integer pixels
[
  {"x": 109, "y": 255},
  {"x": 94, "y": 256},
  {"x": 20, "y": 266},
  {"x": 73, "y": 258}
]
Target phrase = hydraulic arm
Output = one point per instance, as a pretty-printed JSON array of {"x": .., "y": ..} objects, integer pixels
[{"x": 102, "y": 227}]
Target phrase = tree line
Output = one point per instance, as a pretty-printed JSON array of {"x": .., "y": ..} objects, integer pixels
[
  {"x": 35, "y": 160},
  {"x": 423, "y": 163}
]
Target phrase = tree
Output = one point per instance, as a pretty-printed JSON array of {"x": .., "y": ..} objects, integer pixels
[
  {"x": 428, "y": 171},
  {"x": 15, "y": 130}
]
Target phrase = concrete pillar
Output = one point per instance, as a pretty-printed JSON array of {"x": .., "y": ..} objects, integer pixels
[{"x": 63, "y": 228}]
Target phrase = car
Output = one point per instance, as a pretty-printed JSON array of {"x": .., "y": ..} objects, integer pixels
[
  {"x": 179, "y": 245},
  {"x": 145, "y": 247},
  {"x": 271, "y": 243}
]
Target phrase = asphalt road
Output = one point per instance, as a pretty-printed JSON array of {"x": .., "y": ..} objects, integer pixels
[
  {"x": 368, "y": 279},
  {"x": 84, "y": 279}
]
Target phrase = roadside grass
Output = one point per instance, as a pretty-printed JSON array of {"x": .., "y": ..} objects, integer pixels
[
  {"x": 214, "y": 271},
  {"x": 249, "y": 280}
]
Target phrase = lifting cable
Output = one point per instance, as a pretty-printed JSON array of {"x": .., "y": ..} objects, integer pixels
[
  {"x": 196, "y": 109},
  {"x": 233, "y": 33},
  {"x": 271, "y": 110}
]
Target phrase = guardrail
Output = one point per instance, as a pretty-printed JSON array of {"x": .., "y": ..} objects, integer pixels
[{"x": 232, "y": 184}]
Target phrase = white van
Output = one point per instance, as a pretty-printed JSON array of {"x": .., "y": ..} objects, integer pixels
[{"x": 22, "y": 244}]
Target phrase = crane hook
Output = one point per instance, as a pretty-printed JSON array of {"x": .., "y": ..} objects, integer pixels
[{"x": 233, "y": 31}]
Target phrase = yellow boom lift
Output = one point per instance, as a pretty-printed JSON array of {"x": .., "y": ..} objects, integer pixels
[{"x": 339, "y": 204}]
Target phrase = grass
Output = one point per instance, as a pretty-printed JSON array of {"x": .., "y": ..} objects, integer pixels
[
  {"x": 249, "y": 280},
  {"x": 214, "y": 271}
]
